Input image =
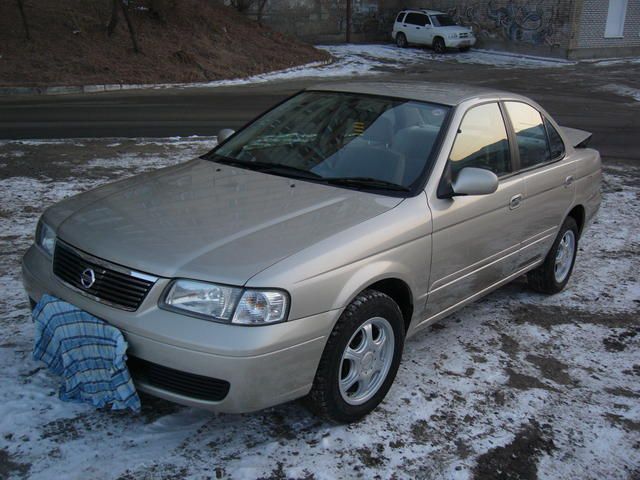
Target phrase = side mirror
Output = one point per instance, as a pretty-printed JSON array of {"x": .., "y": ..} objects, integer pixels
[
  {"x": 224, "y": 134},
  {"x": 475, "y": 181}
]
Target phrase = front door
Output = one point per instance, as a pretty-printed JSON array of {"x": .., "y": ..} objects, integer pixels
[
  {"x": 415, "y": 26},
  {"x": 476, "y": 238}
]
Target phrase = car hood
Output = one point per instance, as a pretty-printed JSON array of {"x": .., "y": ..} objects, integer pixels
[{"x": 208, "y": 221}]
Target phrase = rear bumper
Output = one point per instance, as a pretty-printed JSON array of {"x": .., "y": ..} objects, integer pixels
[{"x": 264, "y": 366}]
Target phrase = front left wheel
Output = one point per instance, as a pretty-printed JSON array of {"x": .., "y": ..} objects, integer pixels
[{"x": 360, "y": 359}]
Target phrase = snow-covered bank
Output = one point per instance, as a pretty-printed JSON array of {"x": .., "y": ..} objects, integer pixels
[{"x": 516, "y": 381}]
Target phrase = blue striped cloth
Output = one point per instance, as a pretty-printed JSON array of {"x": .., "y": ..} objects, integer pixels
[{"x": 87, "y": 352}]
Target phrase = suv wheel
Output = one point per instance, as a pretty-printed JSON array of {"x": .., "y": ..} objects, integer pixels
[
  {"x": 439, "y": 45},
  {"x": 360, "y": 360},
  {"x": 401, "y": 40},
  {"x": 552, "y": 276}
]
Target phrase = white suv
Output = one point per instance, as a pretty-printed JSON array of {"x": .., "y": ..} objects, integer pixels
[{"x": 433, "y": 28}]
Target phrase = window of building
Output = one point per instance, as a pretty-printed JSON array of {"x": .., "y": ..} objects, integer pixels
[{"x": 615, "y": 19}]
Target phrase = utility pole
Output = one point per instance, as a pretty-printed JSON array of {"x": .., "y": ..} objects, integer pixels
[{"x": 348, "y": 21}]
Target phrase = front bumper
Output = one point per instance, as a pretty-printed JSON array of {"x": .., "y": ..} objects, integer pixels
[
  {"x": 264, "y": 366},
  {"x": 460, "y": 42}
]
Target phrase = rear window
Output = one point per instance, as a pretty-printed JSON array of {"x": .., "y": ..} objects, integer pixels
[
  {"x": 556, "y": 144},
  {"x": 416, "y": 19},
  {"x": 400, "y": 17}
]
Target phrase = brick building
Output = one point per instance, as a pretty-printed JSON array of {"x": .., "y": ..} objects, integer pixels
[{"x": 563, "y": 28}]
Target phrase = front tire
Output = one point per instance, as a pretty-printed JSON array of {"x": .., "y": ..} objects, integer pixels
[
  {"x": 553, "y": 275},
  {"x": 439, "y": 45},
  {"x": 401, "y": 40},
  {"x": 360, "y": 359}
]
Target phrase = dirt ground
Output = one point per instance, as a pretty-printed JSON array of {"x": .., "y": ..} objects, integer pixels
[{"x": 185, "y": 41}]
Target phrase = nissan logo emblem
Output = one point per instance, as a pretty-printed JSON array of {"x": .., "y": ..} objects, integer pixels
[{"x": 88, "y": 278}]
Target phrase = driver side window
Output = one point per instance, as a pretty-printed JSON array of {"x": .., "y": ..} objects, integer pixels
[{"x": 481, "y": 142}]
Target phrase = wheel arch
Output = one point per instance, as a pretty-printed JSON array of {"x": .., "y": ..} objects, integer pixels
[{"x": 578, "y": 213}]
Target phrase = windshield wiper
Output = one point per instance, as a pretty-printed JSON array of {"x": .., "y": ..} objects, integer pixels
[
  {"x": 265, "y": 167},
  {"x": 366, "y": 182}
]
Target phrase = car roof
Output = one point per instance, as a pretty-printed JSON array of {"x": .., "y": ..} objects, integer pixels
[
  {"x": 443, "y": 93},
  {"x": 424, "y": 10}
]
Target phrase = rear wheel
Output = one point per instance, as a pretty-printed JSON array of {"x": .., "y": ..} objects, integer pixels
[
  {"x": 553, "y": 275},
  {"x": 401, "y": 40},
  {"x": 439, "y": 45},
  {"x": 360, "y": 360}
]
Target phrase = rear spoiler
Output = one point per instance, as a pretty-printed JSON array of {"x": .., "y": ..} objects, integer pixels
[{"x": 577, "y": 138}]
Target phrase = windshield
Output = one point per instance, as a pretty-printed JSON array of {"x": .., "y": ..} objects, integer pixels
[
  {"x": 345, "y": 139},
  {"x": 443, "y": 21}
]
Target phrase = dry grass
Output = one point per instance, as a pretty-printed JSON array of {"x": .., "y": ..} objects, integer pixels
[{"x": 180, "y": 41}]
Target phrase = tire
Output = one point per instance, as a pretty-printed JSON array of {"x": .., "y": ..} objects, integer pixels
[
  {"x": 549, "y": 278},
  {"x": 401, "y": 40},
  {"x": 328, "y": 397},
  {"x": 464, "y": 49},
  {"x": 439, "y": 45}
]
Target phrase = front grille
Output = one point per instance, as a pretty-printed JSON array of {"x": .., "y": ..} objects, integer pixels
[
  {"x": 176, "y": 381},
  {"x": 113, "y": 284},
  {"x": 464, "y": 35}
]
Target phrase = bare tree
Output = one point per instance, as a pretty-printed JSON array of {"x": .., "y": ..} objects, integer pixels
[
  {"x": 132, "y": 33},
  {"x": 261, "y": 6},
  {"x": 24, "y": 19},
  {"x": 113, "y": 21}
]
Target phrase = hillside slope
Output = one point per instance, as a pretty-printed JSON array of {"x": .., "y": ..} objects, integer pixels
[{"x": 180, "y": 41}]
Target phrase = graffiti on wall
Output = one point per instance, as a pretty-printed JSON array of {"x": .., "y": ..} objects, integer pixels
[{"x": 535, "y": 22}]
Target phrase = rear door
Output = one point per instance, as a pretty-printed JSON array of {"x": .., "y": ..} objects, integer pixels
[
  {"x": 476, "y": 238},
  {"x": 548, "y": 179}
]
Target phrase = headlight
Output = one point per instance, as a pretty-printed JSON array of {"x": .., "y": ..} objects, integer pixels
[
  {"x": 227, "y": 304},
  {"x": 453, "y": 35},
  {"x": 45, "y": 238}
]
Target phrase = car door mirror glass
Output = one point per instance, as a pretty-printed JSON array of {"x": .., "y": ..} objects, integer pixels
[
  {"x": 224, "y": 134},
  {"x": 475, "y": 181}
]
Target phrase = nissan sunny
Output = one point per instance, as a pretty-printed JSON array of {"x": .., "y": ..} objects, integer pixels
[{"x": 297, "y": 257}]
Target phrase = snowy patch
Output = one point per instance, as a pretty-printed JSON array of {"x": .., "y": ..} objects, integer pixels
[
  {"x": 623, "y": 90},
  {"x": 516, "y": 382}
]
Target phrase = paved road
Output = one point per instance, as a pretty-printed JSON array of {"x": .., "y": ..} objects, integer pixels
[{"x": 575, "y": 95}]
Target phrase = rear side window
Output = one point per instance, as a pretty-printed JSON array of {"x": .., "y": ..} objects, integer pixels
[
  {"x": 400, "y": 17},
  {"x": 416, "y": 19},
  {"x": 556, "y": 145},
  {"x": 531, "y": 134},
  {"x": 482, "y": 141}
]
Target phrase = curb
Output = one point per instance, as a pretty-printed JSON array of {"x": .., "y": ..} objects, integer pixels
[
  {"x": 67, "y": 90},
  {"x": 112, "y": 87}
]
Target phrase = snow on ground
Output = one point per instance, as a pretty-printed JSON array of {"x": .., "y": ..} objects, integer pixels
[
  {"x": 367, "y": 59},
  {"x": 518, "y": 382},
  {"x": 624, "y": 90}
]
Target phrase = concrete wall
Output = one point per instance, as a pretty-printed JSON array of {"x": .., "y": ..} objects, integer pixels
[
  {"x": 590, "y": 29},
  {"x": 529, "y": 26},
  {"x": 544, "y": 27}
]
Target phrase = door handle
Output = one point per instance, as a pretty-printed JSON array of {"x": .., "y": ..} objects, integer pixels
[
  {"x": 515, "y": 201},
  {"x": 568, "y": 181}
]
